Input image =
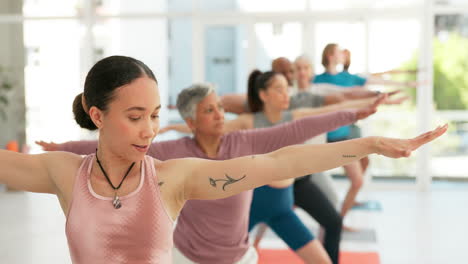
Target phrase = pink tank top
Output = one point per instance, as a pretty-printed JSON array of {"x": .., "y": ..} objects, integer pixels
[{"x": 139, "y": 232}]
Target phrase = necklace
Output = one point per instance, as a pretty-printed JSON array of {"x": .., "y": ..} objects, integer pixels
[{"x": 116, "y": 201}]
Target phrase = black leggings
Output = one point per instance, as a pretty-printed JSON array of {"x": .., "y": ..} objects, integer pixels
[{"x": 312, "y": 200}]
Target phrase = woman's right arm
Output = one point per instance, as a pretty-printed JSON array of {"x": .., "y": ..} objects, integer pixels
[{"x": 27, "y": 172}]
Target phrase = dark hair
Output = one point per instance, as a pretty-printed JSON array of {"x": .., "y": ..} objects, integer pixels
[
  {"x": 258, "y": 81},
  {"x": 101, "y": 82}
]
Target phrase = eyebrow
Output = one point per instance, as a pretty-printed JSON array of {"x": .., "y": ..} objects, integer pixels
[
  {"x": 139, "y": 108},
  {"x": 214, "y": 104}
]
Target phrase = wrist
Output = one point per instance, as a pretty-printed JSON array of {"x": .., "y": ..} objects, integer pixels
[{"x": 374, "y": 145}]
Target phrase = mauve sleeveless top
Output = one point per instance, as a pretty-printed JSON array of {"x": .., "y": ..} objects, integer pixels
[{"x": 139, "y": 232}]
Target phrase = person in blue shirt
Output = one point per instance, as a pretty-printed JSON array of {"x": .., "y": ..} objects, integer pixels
[{"x": 333, "y": 56}]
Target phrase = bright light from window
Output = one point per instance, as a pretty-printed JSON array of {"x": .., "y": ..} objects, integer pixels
[{"x": 271, "y": 6}]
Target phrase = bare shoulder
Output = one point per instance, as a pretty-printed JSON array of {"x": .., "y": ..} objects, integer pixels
[
  {"x": 63, "y": 167},
  {"x": 169, "y": 171},
  {"x": 172, "y": 174},
  {"x": 60, "y": 160}
]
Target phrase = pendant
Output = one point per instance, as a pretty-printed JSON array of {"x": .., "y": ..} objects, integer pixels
[{"x": 116, "y": 202}]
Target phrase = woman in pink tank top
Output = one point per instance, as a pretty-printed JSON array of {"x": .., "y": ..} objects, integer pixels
[{"x": 120, "y": 204}]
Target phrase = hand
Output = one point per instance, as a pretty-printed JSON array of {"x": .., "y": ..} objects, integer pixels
[
  {"x": 397, "y": 148},
  {"x": 396, "y": 101},
  {"x": 367, "y": 111},
  {"x": 393, "y": 93},
  {"x": 48, "y": 146}
]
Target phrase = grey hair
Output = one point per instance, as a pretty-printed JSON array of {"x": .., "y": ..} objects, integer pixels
[
  {"x": 303, "y": 57},
  {"x": 189, "y": 97}
]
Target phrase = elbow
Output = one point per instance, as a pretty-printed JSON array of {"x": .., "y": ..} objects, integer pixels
[{"x": 280, "y": 168}]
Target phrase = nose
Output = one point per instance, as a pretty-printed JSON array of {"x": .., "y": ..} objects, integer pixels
[
  {"x": 149, "y": 129},
  {"x": 218, "y": 113}
]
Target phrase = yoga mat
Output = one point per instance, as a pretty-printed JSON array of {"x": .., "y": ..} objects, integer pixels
[
  {"x": 368, "y": 206},
  {"x": 286, "y": 256},
  {"x": 361, "y": 235}
]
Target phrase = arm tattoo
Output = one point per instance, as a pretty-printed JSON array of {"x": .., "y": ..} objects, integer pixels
[
  {"x": 349, "y": 156},
  {"x": 227, "y": 181}
]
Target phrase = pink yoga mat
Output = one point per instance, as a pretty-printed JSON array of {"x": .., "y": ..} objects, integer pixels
[{"x": 282, "y": 256}]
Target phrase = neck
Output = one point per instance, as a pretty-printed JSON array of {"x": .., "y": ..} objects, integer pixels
[
  {"x": 331, "y": 68},
  {"x": 272, "y": 114},
  {"x": 303, "y": 84},
  {"x": 115, "y": 166},
  {"x": 209, "y": 144}
]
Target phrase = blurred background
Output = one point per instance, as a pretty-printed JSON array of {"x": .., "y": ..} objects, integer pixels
[{"x": 48, "y": 46}]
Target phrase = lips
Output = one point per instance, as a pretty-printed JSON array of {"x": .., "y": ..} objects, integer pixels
[{"x": 141, "y": 148}]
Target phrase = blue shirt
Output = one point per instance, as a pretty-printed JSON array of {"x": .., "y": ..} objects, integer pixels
[{"x": 344, "y": 79}]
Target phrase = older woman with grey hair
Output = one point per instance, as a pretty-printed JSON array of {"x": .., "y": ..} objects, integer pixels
[{"x": 269, "y": 102}]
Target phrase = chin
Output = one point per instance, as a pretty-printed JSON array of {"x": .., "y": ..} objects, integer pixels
[
  {"x": 137, "y": 156},
  {"x": 218, "y": 132}
]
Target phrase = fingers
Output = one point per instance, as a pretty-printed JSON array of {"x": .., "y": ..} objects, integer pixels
[
  {"x": 379, "y": 100},
  {"x": 45, "y": 146},
  {"x": 40, "y": 143},
  {"x": 396, "y": 101},
  {"x": 406, "y": 153},
  {"x": 429, "y": 136},
  {"x": 394, "y": 92}
]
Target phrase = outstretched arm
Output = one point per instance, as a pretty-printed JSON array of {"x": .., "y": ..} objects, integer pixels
[
  {"x": 234, "y": 103},
  {"x": 207, "y": 179},
  {"x": 378, "y": 74},
  {"x": 83, "y": 147},
  {"x": 378, "y": 80},
  {"x": 341, "y": 95},
  {"x": 370, "y": 103},
  {"x": 27, "y": 172},
  {"x": 182, "y": 128},
  {"x": 358, "y": 93},
  {"x": 243, "y": 121}
]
